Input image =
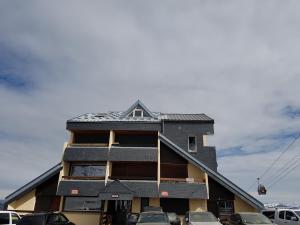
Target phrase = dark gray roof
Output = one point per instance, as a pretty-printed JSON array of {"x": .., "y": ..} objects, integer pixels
[
  {"x": 121, "y": 116},
  {"x": 143, "y": 189},
  {"x": 186, "y": 117},
  {"x": 213, "y": 174},
  {"x": 34, "y": 183}
]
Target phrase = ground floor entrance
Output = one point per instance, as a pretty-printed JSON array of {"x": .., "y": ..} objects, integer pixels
[{"x": 117, "y": 211}]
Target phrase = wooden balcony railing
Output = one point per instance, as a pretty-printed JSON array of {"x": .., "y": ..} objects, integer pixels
[{"x": 88, "y": 145}]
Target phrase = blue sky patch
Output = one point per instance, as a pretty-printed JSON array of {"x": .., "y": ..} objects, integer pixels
[{"x": 291, "y": 112}]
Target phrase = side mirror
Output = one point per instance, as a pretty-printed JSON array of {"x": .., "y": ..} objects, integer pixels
[{"x": 186, "y": 219}]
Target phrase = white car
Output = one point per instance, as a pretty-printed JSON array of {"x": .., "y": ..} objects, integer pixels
[
  {"x": 9, "y": 218},
  {"x": 281, "y": 216},
  {"x": 200, "y": 218}
]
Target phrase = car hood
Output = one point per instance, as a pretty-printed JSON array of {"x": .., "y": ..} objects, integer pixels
[{"x": 205, "y": 223}]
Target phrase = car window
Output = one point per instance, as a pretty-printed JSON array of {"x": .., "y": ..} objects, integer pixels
[
  {"x": 57, "y": 218},
  {"x": 153, "y": 218},
  {"x": 269, "y": 214},
  {"x": 4, "y": 218},
  {"x": 14, "y": 218},
  {"x": 281, "y": 214},
  {"x": 289, "y": 215},
  {"x": 203, "y": 217}
]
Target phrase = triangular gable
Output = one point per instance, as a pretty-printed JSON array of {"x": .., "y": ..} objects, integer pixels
[
  {"x": 34, "y": 183},
  {"x": 214, "y": 175},
  {"x": 116, "y": 190},
  {"x": 137, "y": 105},
  {"x": 116, "y": 186}
]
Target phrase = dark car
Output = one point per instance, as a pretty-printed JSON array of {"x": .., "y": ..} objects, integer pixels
[
  {"x": 245, "y": 218},
  {"x": 132, "y": 218},
  {"x": 45, "y": 219},
  {"x": 174, "y": 218}
]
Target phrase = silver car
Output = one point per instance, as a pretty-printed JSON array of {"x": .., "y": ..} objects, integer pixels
[
  {"x": 153, "y": 218},
  {"x": 201, "y": 218}
]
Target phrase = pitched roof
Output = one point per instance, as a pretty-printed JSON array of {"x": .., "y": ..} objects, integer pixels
[
  {"x": 122, "y": 116},
  {"x": 213, "y": 174},
  {"x": 34, "y": 183}
]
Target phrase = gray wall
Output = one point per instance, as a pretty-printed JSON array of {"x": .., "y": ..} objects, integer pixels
[{"x": 178, "y": 132}]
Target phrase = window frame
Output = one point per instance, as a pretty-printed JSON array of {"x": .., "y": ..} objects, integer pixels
[
  {"x": 101, "y": 204},
  {"x": 139, "y": 110},
  {"x": 72, "y": 164},
  {"x": 192, "y": 136}
]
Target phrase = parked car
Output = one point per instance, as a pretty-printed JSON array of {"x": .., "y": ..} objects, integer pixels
[
  {"x": 283, "y": 216},
  {"x": 173, "y": 218},
  {"x": 200, "y": 218},
  {"x": 246, "y": 218},
  {"x": 153, "y": 218},
  {"x": 50, "y": 218},
  {"x": 152, "y": 209},
  {"x": 9, "y": 218}
]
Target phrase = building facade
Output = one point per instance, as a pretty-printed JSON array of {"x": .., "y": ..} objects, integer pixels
[{"x": 120, "y": 162}]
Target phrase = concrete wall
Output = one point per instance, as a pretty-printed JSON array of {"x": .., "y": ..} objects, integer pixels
[
  {"x": 242, "y": 206},
  {"x": 196, "y": 173},
  {"x": 26, "y": 202},
  {"x": 83, "y": 218},
  {"x": 198, "y": 205}
]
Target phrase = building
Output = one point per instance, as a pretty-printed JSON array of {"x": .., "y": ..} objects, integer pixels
[{"x": 120, "y": 162}]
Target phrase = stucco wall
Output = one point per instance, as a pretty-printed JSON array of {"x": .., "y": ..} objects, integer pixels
[
  {"x": 84, "y": 218},
  {"x": 198, "y": 205},
  {"x": 26, "y": 202},
  {"x": 136, "y": 205},
  {"x": 242, "y": 206},
  {"x": 196, "y": 173}
]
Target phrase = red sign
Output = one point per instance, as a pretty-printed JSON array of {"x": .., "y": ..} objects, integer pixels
[
  {"x": 164, "y": 194},
  {"x": 74, "y": 192}
]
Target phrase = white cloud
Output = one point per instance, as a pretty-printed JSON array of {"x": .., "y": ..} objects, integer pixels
[{"x": 237, "y": 62}]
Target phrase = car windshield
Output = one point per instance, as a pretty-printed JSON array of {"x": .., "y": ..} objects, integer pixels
[
  {"x": 203, "y": 217},
  {"x": 297, "y": 212},
  {"x": 152, "y": 218},
  {"x": 255, "y": 218}
]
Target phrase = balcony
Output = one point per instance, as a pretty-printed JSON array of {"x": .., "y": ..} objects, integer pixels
[
  {"x": 141, "y": 154},
  {"x": 77, "y": 154},
  {"x": 79, "y": 187}
]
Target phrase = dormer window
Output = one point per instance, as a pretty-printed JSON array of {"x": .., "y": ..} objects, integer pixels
[{"x": 138, "y": 113}]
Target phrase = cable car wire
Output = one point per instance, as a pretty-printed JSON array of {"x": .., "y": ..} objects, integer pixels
[{"x": 276, "y": 160}]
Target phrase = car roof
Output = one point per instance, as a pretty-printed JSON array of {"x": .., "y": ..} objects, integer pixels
[{"x": 3, "y": 211}]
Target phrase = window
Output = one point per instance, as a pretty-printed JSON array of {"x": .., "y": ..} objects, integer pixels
[
  {"x": 281, "y": 214},
  {"x": 14, "y": 218},
  {"x": 269, "y": 214},
  {"x": 88, "y": 170},
  {"x": 4, "y": 218},
  {"x": 57, "y": 219},
  {"x": 82, "y": 204},
  {"x": 138, "y": 113},
  {"x": 192, "y": 145},
  {"x": 289, "y": 215}
]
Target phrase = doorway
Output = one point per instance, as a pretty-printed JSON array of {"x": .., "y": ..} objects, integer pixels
[{"x": 118, "y": 210}]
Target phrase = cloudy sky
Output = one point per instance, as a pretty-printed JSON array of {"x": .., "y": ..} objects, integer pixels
[{"x": 237, "y": 61}]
